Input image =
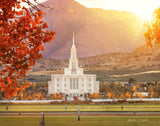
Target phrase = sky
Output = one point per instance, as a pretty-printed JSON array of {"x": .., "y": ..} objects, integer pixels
[{"x": 143, "y": 8}]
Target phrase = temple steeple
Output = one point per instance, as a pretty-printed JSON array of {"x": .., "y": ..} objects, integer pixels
[
  {"x": 73, "y": 62},
  {"x": 73, "y": 45}
]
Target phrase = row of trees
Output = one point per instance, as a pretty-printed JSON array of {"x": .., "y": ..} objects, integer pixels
[
  {"x": 113, "y": 90},
  {"x": 116, "y": 90},
  {"x": 39, "y": 96}
]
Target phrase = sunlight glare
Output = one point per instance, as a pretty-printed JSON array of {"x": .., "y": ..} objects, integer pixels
[
  {"x": 146, "y": 15},
  {"x": 143, "y": 8}
]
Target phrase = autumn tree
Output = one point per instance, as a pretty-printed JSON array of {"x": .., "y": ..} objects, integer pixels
[
  {"x": 109, "y": 94},
  {"x": 40, "y": 96},
  {"x": 25, "y": 94},
  {"x": 123, "y": 96},
  {"x": 132, "y": 80},
  {"x": 22, "y": 35},
  {"x": 140, "y": 95},
  {"x": 59, "y": 96},
  {"x": 152, "y": 35},
  {"x": 75, "y": 98},
  {"x": 128, "y": 94},
  {"x": 134, "y": 89},
  {"x": 33, "y": 95},
  {"x": 54, "y": 96},
  {"x": 150, "y": 91},
  {"x": 29, "y": 97},
  {"x": 19, "y": 96},
  {"x": 102, "y": 87},
  {"x": 94, "y": 96},
  {"x": 157, "y": 90},
  {"x": 1, "y": 96}
]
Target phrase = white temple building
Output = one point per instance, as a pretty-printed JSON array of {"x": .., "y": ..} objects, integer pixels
[{"x": 73, "y": 82}]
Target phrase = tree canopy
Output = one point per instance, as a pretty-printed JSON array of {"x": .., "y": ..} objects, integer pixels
[
  {"x": 152, "y": 35},
  {"x": 22, "y": 36}
]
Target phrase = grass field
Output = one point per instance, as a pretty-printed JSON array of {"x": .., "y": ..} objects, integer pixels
[
  {"x": 85, "y": 121},
  {"x": 108, "y": 107}
]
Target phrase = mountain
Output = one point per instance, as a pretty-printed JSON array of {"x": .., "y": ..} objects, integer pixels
[
  {"x": 99, "y": 62},
  {"x": 142, "y": 58},
  {"x": 97, "y": 31}
]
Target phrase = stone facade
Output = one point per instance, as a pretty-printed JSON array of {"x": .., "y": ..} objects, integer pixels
[{"x": 73, "y": 82}]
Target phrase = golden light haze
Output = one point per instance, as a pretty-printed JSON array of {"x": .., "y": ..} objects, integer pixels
[{"x": 143, "y": 8}]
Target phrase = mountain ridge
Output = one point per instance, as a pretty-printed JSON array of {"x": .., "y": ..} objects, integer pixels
[{"x": 97, "y": 31}]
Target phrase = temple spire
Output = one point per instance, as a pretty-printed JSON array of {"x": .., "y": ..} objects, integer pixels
[
  {"x": 73, "y": 61},
  {"x": 73, "y": 41}
]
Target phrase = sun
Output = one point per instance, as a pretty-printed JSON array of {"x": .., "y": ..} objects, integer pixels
[
  {"x": 143, "y": 8},
  {"x": 146, "y": 15}
]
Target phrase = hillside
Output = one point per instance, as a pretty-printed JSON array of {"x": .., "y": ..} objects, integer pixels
[
  {"x": 96, "y": 31},
  {"x": 143, "y": 58},
  {"x": 143, "y": 63},
  {"x": 90, "y": 63}
]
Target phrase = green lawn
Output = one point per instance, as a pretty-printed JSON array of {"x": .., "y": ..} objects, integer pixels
[
  {"x": 108, "y": 107},
  {"x": 85, "y": 121}
]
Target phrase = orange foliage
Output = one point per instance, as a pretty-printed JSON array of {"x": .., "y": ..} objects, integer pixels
[
  {"x": 40, "y": 97},
  {"x": 29, "y": 97},
  {"x": 134, "y": 88},
  {"x": 153, "y": 27},
  {"x": 122, "y": 96},
  {"x": 33, "y": 96},
  {"x": 20, "y": 96},
  {"x": 94, "y": 95},
  {"x": 110, "y": 94},
  {"x": 128, "y": 94},
  {"x": 22, "y": 36},
  {"x": 59, "y": 96},
  {"x": 54, "y": 96},
  {"x": 25, "y": 95},
  {"x": 141, "y": 95}
]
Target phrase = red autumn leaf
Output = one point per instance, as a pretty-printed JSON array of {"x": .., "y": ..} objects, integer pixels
[
  {"x": 45, "y": 25},
  {"x": 40, "y": 13},
  {"x": 8, "y": 79},
  {"x": 2, "y": 89},
  {"x": 31, "y": 63},
  {"x": 41, "y": 47},
  {"x": 24, "y": 76},
  {"x": 2, "y": 86},
  {"x": 7, "y": 68},
  {"x": 2, "y": 72},
  {"x": 18, "y": 6}
]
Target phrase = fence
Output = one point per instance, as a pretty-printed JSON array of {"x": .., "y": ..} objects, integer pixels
[{"x": 79, "y": 110}]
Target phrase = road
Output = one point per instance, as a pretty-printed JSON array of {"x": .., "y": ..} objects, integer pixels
[{"x": 125, "y": 75}]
